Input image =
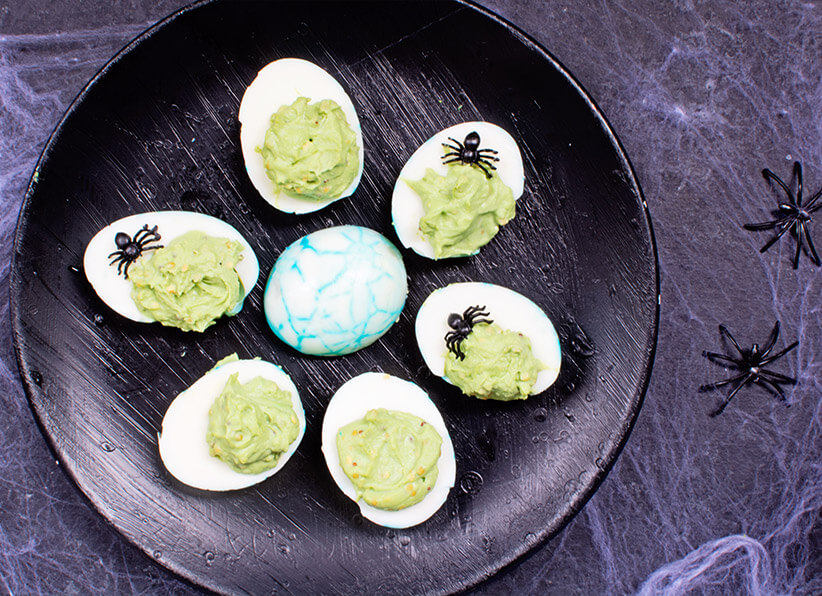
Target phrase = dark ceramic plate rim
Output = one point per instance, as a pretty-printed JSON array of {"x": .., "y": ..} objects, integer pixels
[{"x": 636, "y": 400}]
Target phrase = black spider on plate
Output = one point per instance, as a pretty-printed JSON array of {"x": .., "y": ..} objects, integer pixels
[
  {"x": 462, "y": 326},
  {"x": 129, "y": 249},
  {"x": 750, "y": 364},
  {"x": 468, "y": 152},
  {"x": 793, "y": 216}
]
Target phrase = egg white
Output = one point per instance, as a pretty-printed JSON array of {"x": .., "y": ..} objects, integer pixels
[
  {"x": 115, "y": 290},
  {"x": 280, "y": 83},
  {"x": 509, "y": 309},
  {"x": 370, "y": 391},
  {"x": 335, "y": 291},
  {"x": 406, "y": 205},
  {"x": 182, "y": 440}
]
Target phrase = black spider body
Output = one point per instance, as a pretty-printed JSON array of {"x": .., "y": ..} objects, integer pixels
[
  {"x": 129, "y": 249},
  {"x": 792, "y": 215},
  {"x": 469, "y": 152},
  {"x": 751, "y": 367},
  {"x": 462, "y": 325}
]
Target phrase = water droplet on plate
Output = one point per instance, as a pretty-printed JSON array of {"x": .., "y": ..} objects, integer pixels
[
  {"x": 471, "y": 482},
  {"x": 209, "y": 557}
]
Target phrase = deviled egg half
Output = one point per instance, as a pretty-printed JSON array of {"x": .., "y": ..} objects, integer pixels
[
  {"x": 335, "y": 291},
  {"x": 179, "y": 268},
  {"x": 488, "y": 340},
  {"x": 300, "y": 137},
  {"x": 234, "y": 427},
  {"x": 388, "y": 449},
  {"x": 457, "y": 189}
]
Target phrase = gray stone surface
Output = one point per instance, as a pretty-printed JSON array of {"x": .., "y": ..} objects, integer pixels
[{"x": 703, "y": 95}]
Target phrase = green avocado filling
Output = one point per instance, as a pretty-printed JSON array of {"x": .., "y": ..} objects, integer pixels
[
  {"x": 463, "y": 209},
  {"x": 310, "y": 150},
  {"x": 498, "y": 364},
  {"x": 230, "y": 358},
  {"x": 391, "y": 458},
  {"x": 250, "y": 425},
  {"x": 189, "y": 283}
]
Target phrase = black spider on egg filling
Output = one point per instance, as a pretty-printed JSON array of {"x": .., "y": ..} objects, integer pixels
[
  {"x": 129, "y": 249},
  {"x": 462, "y": 325},
  {"x": 469, "y": 152},
  {"x": 750, "y": 364},
  {"x": 793, "y": 216}
]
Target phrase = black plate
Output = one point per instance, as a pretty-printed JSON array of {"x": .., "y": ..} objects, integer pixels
[{"x": 157, "y": 129}]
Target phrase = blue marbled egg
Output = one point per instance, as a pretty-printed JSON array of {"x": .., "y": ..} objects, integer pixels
[{"x": 335, "y": 291}]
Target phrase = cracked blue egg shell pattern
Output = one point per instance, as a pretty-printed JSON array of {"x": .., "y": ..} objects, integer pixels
[{"x": 335, "y": 291}]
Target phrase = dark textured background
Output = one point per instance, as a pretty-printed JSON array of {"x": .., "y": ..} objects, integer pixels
[{"x": 703, "y": 96}]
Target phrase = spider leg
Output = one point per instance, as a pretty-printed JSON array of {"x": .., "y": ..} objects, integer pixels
[
  {"x": 482, "y": 167},
  {"x": 800, "y": 233},
  {"x": 142, "y": 234},
  {"x": 455, "y": 348},
  {"x": 797, "y": 171},
  {"x": 724, "y": 331},
  {"x": 452, "y": 160},
  {"x": 488, "y": 163},
  {"x": 777, "y": 377},
  {"x": 126, "y": 263},
  {"x": 770, "y": 386},
  {"x": 473, "y": 310},
  {"x": 117, "y": 258},
  {"x": 472, "y": 314},
  {"x": 812, "y": 206},
  {"x": 786, "y": 225},
  {"x": 778, "y": 355},
  {"x": 771, "y": 341},
  {"x": 723, "y": 382},
  {"x": 765, "y": 225},
  {"x": 731, "y": 395},
  {"x": 156, "y": 246},
  {"x": 722, "y": 359},
  {"x": 771, "y": 176},
  {"x": 459, "y": 146},
  {"x": 488, "y": 150}
]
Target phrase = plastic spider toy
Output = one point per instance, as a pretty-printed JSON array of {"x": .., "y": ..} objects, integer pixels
[
  {"x": 750, "y": 364},
  {"x": 793, "y": 216},
  {"x": 462, "y": 326},
  {"x": 469, "y": 152},
  {"x": 129, "y": 249}
]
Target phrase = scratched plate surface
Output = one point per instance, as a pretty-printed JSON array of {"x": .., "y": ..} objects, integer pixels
[{"x": 157, "y": 129}]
